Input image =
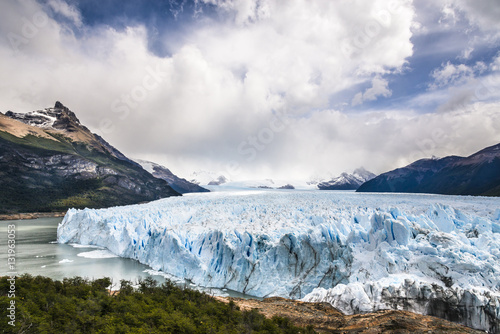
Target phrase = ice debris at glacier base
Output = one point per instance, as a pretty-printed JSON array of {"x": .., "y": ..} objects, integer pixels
[{"x": 274, "y": 243}]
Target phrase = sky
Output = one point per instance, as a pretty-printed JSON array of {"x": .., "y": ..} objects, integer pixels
[{"x": 253, "y": 89}]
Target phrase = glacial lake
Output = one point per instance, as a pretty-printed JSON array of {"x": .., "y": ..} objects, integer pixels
[{"x": 37, "y": 253}]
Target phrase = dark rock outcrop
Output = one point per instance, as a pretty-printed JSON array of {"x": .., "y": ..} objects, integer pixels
[
  {"x": 287, "y": 186},
  {"x": 473, "y": 309}
]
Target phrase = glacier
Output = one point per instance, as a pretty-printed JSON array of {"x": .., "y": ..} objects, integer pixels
[{"x": 432, "y": 254}]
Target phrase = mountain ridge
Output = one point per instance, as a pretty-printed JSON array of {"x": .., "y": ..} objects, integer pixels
[
  {"x": 180, "y": 185},
  {"x": 477, "y": 175},
  {"x": 49, "y": 161},
  {"x": 347, "y": 181}
]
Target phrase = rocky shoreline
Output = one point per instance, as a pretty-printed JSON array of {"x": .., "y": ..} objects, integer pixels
[
  {"x": 327, "y": 319},
  {"x": 31, "y": 215}
]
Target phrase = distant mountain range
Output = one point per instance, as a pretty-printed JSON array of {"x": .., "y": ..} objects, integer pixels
[
  {"x": 478, "y": 174},
  {"x": 343, "y": 182},
  {"x": 347, "y": 181},
  {"x": 207, "y": 178},
  {"x": 49, "y": 161},
  {"x": 178, "y": 184}
]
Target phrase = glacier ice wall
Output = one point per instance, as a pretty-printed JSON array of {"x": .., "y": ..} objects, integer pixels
[
  {"x": 380, "y": 249},
  {"x": 474, "y": 307}
]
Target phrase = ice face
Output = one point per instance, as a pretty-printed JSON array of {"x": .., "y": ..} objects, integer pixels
[
  {"x": 276, "y": 243},
  {"x": 474, "y": 307}
]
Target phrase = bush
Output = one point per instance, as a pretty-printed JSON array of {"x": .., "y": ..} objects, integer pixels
[{"x": 77, "y": 305}]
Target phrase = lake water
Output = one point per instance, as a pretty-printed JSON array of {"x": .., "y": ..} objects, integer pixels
[{"x": 37, "y": 253}]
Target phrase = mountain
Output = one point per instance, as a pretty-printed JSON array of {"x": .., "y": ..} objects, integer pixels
[
  {"x": 347, "y": 181},
  {"x": 478, "y": 174},
  {"x": 182, "y": 186},
  {"x": 267, "y": 184},
  {"x": 49, "y": 161},
  {"x": 208, "y": 178}
]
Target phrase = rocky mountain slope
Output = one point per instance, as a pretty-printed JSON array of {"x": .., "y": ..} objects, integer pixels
[
  {"x": 478, "y": 174},
  {"x": 347, "y": 181},
  {"x": 49, "y": 161},
  {"x": 327, "y": 319},
  {"x": 178, "y": 184}
]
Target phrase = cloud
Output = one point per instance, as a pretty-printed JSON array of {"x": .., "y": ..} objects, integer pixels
[
  {"x": 379, "y": 88},
  {"x": 250, "y": 87},
  {"x": 467, "y": 28},
  {"x": 484, "y": 13},
  {"x": 495, "y": 64},
  {"x": 63, "y": 8},
  {"x": 449, "y": 15},
  {"x": 481, "y": 14},
  {"x": 451, "y": 74},
  {"x": 458, "y": 85},
  {"x": 242, "y": 11}
]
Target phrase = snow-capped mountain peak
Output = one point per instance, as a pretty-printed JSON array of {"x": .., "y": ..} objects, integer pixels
[
  {"x": 178, "y": 184},
  {"x": 347, "y": 181},
  {"x": 47, "y": 118},
  {"x": 363, "y": 174},
  {"x": 204, "y": 178}
]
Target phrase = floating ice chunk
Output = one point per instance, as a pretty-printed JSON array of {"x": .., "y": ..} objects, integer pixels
[
  {"x": 65, "y": 261},
  {"x": 85, "y": 246},
  {"x": 97, "y": 254}
]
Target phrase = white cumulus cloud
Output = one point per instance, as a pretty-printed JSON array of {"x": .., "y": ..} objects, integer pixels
[
  {"x": 68, "y": 11},
  {"x": 380, "y": 87},
  {"x": 252, "y": 87}
]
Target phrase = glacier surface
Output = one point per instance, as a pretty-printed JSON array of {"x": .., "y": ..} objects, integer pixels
[{"x": 432, "y": 254}]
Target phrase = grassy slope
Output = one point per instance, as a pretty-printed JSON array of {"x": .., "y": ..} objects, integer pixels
[{"x": 62, "y": 144}]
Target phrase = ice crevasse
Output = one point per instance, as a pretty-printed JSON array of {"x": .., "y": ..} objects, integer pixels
[{"x": 431, "y": 254}]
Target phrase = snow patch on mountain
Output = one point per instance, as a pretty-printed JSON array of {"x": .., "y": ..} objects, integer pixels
[
  {"x": 147, "y": 165},
  {"x": 180, "y": 185},
  {"x": 40, "y": 118},
  {"x": 223, "y": 183},
  {"x": 269, "y": 184},
  {"x": 347, "y": 181}
]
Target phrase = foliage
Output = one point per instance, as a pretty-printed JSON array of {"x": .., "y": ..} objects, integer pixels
[{"x": 78, "y": 305}]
